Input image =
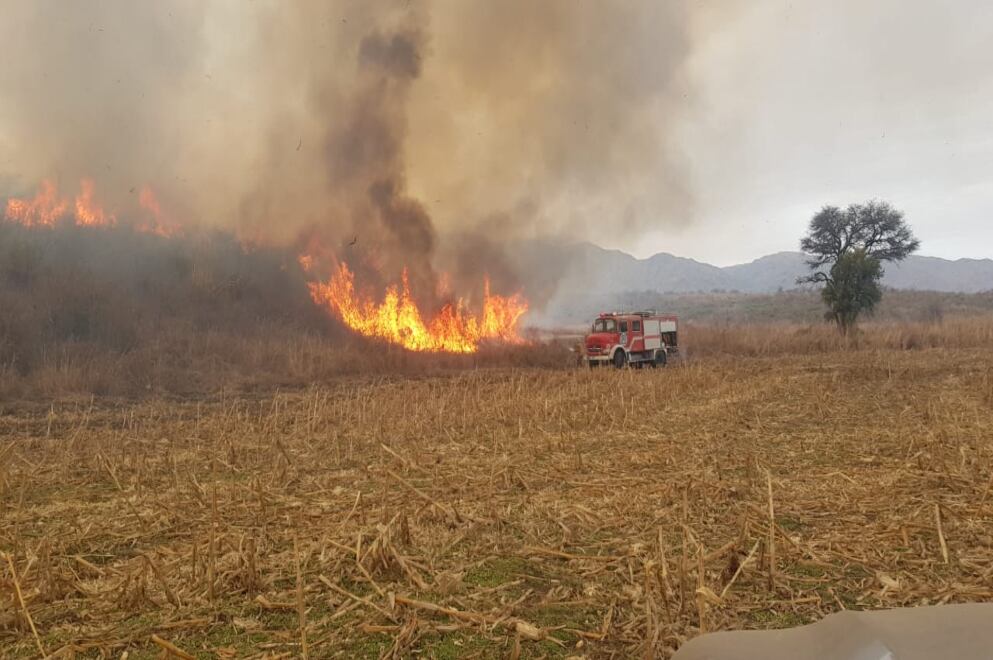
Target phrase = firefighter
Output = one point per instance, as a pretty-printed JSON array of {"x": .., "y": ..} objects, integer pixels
[{"x": 580, "y": 351}]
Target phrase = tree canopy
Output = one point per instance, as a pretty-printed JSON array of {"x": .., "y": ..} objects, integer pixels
[
  {"x": 875, "y": 227},
  {"x": 845, "y": 249}
]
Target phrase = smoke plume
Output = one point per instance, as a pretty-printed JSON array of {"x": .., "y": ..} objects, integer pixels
[{"x": 373, "y": 131}]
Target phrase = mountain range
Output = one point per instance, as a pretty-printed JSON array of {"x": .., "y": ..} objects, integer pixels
[{"x": 587, "y": 268}]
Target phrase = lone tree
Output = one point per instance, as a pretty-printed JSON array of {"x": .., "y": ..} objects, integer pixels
[{"x": 845, "y": 251}]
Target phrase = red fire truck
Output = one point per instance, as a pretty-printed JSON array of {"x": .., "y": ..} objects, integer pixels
[{"x": 636, "y": 338}]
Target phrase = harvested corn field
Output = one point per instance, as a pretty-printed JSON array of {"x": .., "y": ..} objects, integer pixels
[{"x": 503, "y": 513}]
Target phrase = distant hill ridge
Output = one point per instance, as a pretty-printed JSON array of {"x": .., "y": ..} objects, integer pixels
[{"x": 587, "y": 268}]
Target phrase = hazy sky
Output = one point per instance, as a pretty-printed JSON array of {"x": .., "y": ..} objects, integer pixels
[{"x": 801, "y": 104}]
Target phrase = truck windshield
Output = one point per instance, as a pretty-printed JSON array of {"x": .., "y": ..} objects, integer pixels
[{"x": 605, "y": 325}]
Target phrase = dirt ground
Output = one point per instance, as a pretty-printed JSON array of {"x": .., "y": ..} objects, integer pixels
[{"x": 498, "y": 513}]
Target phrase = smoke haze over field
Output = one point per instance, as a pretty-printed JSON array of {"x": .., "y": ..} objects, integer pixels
[
  {"x": 96, "y": 90},
  {"x": 386, "y": 121},
  {"x": 692, "y": 127}
]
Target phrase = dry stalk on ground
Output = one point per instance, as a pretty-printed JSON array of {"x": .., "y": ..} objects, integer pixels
[{"x": 503, "y": 512}]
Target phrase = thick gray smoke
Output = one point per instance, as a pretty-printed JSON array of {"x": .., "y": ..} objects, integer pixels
[{"x": 374, "y": 129}]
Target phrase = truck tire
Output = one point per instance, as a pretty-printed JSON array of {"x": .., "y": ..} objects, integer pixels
[
  {"x": 620, "y": 359},
  {"x": 660, "y": 358}
]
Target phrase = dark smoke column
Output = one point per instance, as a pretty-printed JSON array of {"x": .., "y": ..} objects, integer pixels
[{"x": 365, "y": 156}]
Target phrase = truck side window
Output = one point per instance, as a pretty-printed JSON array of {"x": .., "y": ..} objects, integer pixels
[
  {"x": 636, "y": 326},
  {"x": 624, "y": 326}
]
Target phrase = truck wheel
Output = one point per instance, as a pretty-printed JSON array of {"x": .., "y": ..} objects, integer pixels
[
  {"x": 620, "y": 359},
  {"x": 660, "y": 358}
]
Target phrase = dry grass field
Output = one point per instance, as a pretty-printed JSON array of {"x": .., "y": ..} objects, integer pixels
[{"x": 503, "y": 512}]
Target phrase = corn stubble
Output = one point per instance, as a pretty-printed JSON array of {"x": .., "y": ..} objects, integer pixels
[{"x": 502, "y": 512}]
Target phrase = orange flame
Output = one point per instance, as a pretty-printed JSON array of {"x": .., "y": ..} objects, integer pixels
[
  {"x": 48, "y": 207},
  {"x": 156, "y": 222},
  {"x": 306, "y": 262},
  {"x": 398, "y": 320},
  {"x": 88, "y": 212},
  {"x": 43, "y": 211}
]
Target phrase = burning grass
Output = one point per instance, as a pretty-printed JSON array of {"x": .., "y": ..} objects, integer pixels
[
  {"x": 499, "y": 512},
  {"x": 112, "y": 311},
  {"x": 398, "y": 320}
]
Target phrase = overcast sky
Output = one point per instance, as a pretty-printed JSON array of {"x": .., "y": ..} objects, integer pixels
[{"x": 802, "y": 104}]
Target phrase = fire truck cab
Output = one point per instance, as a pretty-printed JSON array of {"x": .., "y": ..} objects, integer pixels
[{"x": 636, "y": 338}]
